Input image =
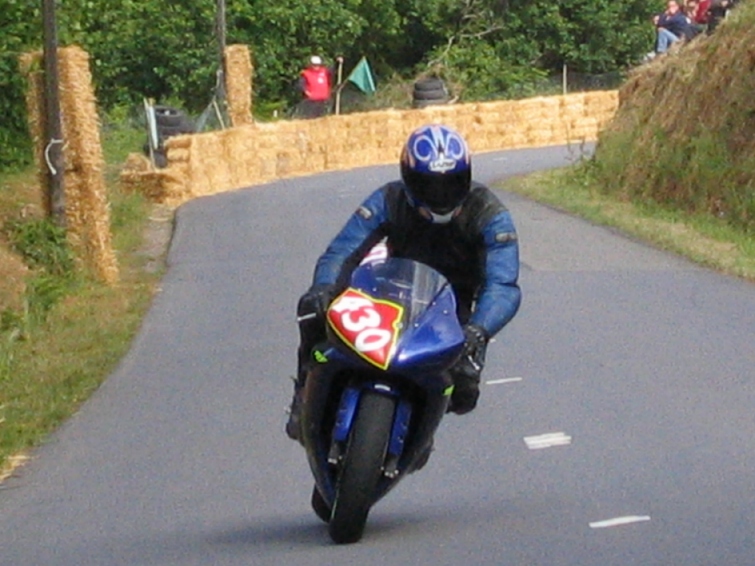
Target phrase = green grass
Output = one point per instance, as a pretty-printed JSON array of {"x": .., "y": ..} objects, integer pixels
[
  {"x": 703, "y": 238},
  {"x": 70, "y": 332}
]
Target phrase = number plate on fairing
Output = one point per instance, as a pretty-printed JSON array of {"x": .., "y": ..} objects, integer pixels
[{"x": 369, "y": 326}]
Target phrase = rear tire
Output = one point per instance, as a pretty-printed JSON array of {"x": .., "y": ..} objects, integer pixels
[{"x": 362, "y": 467}]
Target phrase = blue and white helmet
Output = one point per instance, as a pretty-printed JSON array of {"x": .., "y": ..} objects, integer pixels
[{"x": 436, "y": 168}]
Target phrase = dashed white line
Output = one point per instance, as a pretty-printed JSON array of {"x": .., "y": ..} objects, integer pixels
[
  {"x": 615, "y": 522},
  {"x": 547, "y": 440},
  {"x": 501, "y": 381}
]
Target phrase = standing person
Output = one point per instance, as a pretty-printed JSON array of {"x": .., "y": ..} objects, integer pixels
[
  {"x": 438, "y": 216},
  {"x": 316, "y": 84},
  {"x": 671, "y": 26}
]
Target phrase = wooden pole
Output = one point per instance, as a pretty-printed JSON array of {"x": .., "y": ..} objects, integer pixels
[
  {"x": 339, "y": 86},
  {"x": 55, "y": 194},
  {"x": 220, "y": 30}
]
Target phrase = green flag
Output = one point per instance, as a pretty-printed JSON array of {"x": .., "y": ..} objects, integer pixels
[{"x": 361, "y": 76}]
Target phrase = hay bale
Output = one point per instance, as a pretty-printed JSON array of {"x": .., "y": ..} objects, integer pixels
[
  {"x": 238, "y": 82},
  {"x": 87, "y": 207}
]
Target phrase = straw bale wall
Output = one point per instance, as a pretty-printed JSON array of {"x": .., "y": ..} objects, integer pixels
[
  {"x": 86, "y": 205},
  {"x": 209, "y": 163},
  {"x": 238, "y": 84}
]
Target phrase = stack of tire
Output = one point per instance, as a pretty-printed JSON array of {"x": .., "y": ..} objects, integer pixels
[
  {"x": 429, "y": 91},
  {"x": 170, "y": 122}
]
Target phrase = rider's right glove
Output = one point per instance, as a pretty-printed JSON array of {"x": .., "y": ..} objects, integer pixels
[{"x": 314, "y": 303}]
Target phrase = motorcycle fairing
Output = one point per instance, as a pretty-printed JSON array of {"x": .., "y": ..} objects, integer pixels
[
  {"x": 411, "y": 305},
  {"x": 368, "y": 325}
]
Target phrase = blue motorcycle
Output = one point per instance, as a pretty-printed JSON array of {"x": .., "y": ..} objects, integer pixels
[{"x": 379, "y": 388}]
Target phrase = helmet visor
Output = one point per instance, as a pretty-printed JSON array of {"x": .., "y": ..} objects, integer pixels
[{"x": 440, "y": 193}]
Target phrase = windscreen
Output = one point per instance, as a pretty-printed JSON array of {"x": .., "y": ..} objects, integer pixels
[{"x": 409, "y": 283}]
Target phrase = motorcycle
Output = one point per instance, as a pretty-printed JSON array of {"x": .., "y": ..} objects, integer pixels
[{"x": 378, "y": 389}]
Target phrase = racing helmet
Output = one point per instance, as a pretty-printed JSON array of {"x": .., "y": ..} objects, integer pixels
[{"x": 436, "y": 168}]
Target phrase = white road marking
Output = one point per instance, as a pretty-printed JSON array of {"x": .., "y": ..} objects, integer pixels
[
  {"x": 547, "y": 440},
  {"x": 619, "y": 521},
  {"x": 501, "y": 381}
]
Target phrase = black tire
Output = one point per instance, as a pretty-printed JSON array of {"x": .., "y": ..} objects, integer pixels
[
  {"x": 167, "y": 116},
  {"x": 438, "y": 98},
  {"x": 320, "y": 507},
  {"x": 165, "y": 132},
  {"x": 161, "y": 160},
  {"x": 174, "y": 121},
  {"x": 430, "y": 84},
  {"x": 430, "y": 95},
  {"x": 362, "y": 467}
]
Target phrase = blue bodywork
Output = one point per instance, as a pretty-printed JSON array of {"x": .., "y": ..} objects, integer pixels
[{"x": 430, "y": 340}]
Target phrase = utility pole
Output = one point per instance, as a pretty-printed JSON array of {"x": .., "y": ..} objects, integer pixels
[
  {"x": 53, "y": 152},
  {"x": 220, "y": 27}
]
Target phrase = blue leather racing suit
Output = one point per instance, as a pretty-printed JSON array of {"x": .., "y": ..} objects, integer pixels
[{"x": 477, "y": 251}]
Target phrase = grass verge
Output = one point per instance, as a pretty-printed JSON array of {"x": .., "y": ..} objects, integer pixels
[
  {"x": 702, "y": 238},
  {"x": 67, "y": 333}
]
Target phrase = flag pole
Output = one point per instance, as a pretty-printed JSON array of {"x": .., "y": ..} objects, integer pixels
[{"x": 338, "y": 87}]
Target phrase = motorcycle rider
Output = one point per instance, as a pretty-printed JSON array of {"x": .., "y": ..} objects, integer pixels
[{"x": 438, "y": 216}]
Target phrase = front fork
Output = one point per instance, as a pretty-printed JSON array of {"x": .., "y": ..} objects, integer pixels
[{"x": 347, "y": 409}]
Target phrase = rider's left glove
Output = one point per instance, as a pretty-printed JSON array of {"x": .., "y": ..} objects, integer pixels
[{"x": 466, "y": 372}]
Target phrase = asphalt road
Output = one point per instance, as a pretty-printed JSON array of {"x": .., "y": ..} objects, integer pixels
[{"x": 618, "y": 428}]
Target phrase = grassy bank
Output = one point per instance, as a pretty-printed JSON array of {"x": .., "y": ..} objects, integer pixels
[
  {"x": 64, "y": 333},
  {"x": 701, "y": 237}
]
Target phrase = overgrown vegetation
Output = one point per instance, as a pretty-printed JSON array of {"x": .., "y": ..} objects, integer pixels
[
  {"x": 701, "y": 237},
  {"x": 677, "y": 164},
  {"x": 167, "y": 50},
  {"x": 65, "y": 333},
  {"x": 683, "y": 136}
]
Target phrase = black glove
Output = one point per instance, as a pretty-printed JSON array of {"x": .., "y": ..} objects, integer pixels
[
  {"x": 475, "y": 345},
  {"x": 466, "y": 372},
  {"x": 314, "y": 303},
  {"x": 310, "y": 313}
]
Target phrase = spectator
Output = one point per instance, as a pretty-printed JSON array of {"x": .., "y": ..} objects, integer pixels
[
  {"x": 316, "y": 84},
  {"x": 692, "y": 11},
  {"x": 671, "y": 25},
  {"x": 717, "y": 11},
  {"x": 700, "y": 17}
]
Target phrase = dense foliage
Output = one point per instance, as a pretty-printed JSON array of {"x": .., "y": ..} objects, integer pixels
[{"x": 167, "y": 49}]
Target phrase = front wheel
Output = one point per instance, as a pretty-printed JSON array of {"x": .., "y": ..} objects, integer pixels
[
  {"x": 362, "y": 467},
  {"x": 320, "y": 506}
]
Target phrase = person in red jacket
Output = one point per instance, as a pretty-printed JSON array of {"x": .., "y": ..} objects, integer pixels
[{"x": 316, "y": 84}]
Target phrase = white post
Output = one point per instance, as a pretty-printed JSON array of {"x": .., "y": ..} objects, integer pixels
[{"x": 154, "y": 141}]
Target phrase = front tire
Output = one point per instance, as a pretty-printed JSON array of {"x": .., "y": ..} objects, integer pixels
[
  {"x": 319, "y": 506},
  {"x": 362, "y": 467}
]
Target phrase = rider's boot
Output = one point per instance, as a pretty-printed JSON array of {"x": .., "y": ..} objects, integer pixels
[{"x": 466, "y": 392}]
